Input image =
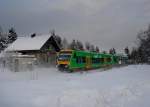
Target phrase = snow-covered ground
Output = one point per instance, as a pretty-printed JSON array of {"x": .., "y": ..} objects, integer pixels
[{"x": 47, "y": 87}]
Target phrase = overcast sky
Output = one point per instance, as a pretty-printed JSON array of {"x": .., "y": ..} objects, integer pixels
[{"x": 105, "y": 23}]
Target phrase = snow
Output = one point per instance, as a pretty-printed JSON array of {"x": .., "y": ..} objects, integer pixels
[
  {"x": 2, "y": 54},
  {"x": 28, "y": 43},
  {"x": 127, "y": 86}
]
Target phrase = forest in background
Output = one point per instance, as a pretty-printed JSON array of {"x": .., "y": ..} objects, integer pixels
[{"x": 138, "y": 54}]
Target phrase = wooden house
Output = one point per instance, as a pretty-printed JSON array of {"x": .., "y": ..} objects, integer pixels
[{"x": 43, "y": 47}]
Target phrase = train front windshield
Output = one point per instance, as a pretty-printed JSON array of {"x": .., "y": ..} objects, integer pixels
[{"x": 64, "y": 57}]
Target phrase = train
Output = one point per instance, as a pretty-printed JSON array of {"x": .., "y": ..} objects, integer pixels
[{"x": 76, "y": 60}]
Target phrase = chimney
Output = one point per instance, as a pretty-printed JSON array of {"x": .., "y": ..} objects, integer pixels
[{"x": 33, "y": 35}]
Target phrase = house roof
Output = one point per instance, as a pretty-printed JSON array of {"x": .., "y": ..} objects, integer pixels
[{"x": 28, "y": 43}]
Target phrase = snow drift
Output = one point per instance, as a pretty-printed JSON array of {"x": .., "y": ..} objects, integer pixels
[{"x": 46, "y": 87}]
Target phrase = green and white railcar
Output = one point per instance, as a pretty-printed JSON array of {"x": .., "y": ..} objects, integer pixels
[{"x": 72, "y": 60}]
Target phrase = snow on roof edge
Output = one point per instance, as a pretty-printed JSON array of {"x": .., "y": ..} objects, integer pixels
[{"x": 28, "y": 43}]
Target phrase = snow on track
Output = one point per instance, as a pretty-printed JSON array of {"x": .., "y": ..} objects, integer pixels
[{"x": 47, "y": 87}]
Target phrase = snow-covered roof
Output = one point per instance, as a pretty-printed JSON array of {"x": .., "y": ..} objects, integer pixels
[{"x": 28, "y": 43}]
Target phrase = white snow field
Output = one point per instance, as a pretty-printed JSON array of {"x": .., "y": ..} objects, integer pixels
[{"x": 127, "y": 86}]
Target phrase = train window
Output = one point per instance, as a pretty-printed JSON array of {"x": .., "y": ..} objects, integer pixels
[
  {"x": 83, "y": 60},
  {"x": 80, "y": 60},
  {"x": 95, "y": 60},
  {"x": 98, "y": 60},
  {"x": 63, "y": 57},
  {"x": 108, "y": 59},
  {"x": 102, "y": 60}
]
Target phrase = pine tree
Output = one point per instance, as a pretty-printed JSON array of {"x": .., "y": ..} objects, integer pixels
[
  {"x": 134, "y": 56},
  {"x": 104, "y": 52},
  {"x": 65, "y": 43},
  {"x": 110, "y": 51},
  {"x": 97, "y": 49},
  {"x": 114, "y": 51},
  {"x": 126, "y": 50},
  {"x": 12, "y": 36},
  {"x": 144, "y": 45},
  {"x": 57, "y": 38},
  {"x": 3, "y": 43},
  {"x": 2, "y": 40},
  {"x": 79, "y": 45},
  {"x": 87, "y": 46},
  {"x": 73, "y": 45},
  {"x": 92, "y": 48},
  {"x": 1, "y": 31}
]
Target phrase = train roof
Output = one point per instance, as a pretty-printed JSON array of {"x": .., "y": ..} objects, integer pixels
[{"x": 86, "y": 52}]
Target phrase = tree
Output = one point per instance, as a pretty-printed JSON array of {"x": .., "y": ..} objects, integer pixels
[
  {"x": 3, "y": 40},
  {"x": 97, "y": 49},
  {"x": 126, "y": 50},
  {"x": 73, "y": 45},
  {"x": 7, "y": 38},
  {"x": 87, "y": 46},
  {"x": 104, "y": 52},
  {"x": 1, "y": 44},
  {"x": 12, "y": 36},
  {"x": 144, "y": 45},
  {"x": 134, "y": 56},
  {"x": 112, "y": 51},
  {"x": 57, "y": 38},
  {"x": 79, "y": 45},
  {"x": 92, "y": 48},
  {"x": 1, "y": 31},
  {"x": 65, "y": 43}
]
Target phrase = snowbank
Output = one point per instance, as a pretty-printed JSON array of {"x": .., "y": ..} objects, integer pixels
[{"x": 46, "y": 87}]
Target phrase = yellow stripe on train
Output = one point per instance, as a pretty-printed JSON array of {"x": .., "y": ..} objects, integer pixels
[{"x": 63, "y": 62}]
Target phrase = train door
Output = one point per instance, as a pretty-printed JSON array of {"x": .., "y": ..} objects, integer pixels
[{"x": 88, "y": 62}]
